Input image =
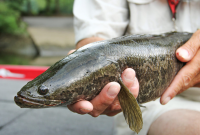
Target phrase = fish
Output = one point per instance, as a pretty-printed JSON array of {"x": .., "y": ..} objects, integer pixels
[{"x": 83, "y": 74}]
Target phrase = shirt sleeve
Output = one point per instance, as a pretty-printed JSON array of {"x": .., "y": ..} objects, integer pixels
[{"x": 100, "y": 18}]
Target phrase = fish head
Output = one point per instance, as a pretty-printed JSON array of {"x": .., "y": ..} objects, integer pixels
[
  {"x": 36, "y": 95},
  {"x": 63, "y": 83},
  {"x": 46, "y": 89}
]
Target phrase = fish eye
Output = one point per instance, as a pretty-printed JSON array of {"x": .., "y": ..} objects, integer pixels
[{"x": 42, "y": 90}]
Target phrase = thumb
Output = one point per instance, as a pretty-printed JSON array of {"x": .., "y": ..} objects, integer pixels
[{"x": 186, "y": 52}]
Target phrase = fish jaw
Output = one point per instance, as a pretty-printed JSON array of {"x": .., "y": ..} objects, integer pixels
[{"x": 34, "y": 103}]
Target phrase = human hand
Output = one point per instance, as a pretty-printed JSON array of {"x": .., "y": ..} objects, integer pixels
[
  {"x": 189, "y": 75},
  {"x": 107, "y": 102}
]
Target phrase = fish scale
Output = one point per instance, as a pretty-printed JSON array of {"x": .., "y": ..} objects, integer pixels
[{"x": 83, "y": 74}]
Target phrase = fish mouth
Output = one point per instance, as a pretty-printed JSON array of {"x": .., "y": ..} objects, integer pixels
[{"x": 25, "y": 102}]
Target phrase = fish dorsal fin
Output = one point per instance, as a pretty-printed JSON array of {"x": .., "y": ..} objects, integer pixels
[{"x": 130, "y": 108}]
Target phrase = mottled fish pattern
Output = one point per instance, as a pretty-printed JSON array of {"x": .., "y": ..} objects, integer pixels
[{"x": 83, "y": 74}]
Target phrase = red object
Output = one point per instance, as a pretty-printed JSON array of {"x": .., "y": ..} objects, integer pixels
[
  {"x": 173, "y": 4},
  {"x": 20, "y": 72}
]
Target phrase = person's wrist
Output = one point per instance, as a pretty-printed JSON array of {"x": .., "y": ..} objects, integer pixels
[{"x": 87, "y": 41}]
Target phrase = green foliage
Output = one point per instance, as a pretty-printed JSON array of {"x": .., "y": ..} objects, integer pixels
[
  {"x": 13, "y": 59},
  {"x": 47, "y": 7},
  {"x": 15, "y": 4},
  {"x": 10, "y": 22},
  {"x": 41, "y": 4},
  {"x": 66, "y": 6}
]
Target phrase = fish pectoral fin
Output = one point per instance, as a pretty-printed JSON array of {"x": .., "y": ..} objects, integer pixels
[{"x": 130, "y": 108}]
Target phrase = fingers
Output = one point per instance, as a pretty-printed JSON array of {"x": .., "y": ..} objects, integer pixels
[
  {"x": 81, "y": 107},
  {"x": 106, "y": 102},
  {"x": 188, "y": 76},
  {"x": 87, "y": 41},
  {"x": 105, "y": 98},
  {"x": 181, "y": 82},
  {"x": 113, "y": 113},
  {"x": 131, "y": 82},
  {"x": 197, "y": 81},
  {"x": 71, "y": 51},
  {"x": 109, "y": 105},
  {"x": 186, "y": 52}
]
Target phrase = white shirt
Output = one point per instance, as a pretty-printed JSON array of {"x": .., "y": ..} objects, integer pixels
[{"x": 111, "y": 18}]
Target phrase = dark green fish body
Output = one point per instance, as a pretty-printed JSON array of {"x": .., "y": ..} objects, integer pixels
[{"x": 83, "y": 74}]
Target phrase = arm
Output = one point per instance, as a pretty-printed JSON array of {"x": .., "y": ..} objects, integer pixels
[
  {"x": 87, "y": 41},
  {"x": 189, "y": 75},
  {"x": 100, "y": 18}
]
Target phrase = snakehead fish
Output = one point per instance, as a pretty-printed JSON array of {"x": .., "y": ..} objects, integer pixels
[{"x": 83, "y": 74}]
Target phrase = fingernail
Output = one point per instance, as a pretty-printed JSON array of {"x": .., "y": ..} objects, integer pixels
[
  {"x": 129, "y": 76},
  {"x": 112, "y": 91},
  {"x": 183, "y": 53},
  {"x": 84, "y": 110},
  {"x": 166, "y": 100}
]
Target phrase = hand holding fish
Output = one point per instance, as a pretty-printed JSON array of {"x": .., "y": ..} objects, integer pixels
[
  {"x": 91, "y": 73},
  {"x": 189, "y": 75},
  {"x": 107, "y": 102}
]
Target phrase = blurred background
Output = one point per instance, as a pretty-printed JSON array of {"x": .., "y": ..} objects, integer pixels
[
  {"x": 40, "y": 30},
  {"x": 38, "y": 33}
]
